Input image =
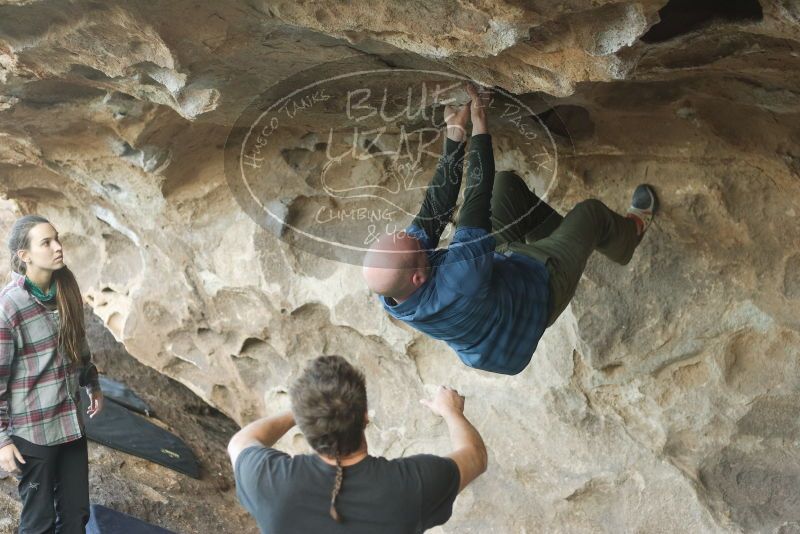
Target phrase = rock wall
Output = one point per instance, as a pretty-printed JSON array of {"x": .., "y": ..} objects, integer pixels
[{"x": 663, "y": 400}]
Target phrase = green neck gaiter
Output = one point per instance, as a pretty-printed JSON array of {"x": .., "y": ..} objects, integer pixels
[{"x": 33, "y": 288}]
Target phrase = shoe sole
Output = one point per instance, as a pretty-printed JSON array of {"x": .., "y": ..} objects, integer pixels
[{"x": 652, "y": 194}]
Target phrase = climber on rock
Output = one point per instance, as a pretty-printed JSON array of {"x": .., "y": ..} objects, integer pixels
[{"x": 513, "y": 264}]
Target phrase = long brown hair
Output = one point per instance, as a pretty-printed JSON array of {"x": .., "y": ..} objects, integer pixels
[
  {"x": 329, "y": 401},
  {"x": 71, "y": 329}
]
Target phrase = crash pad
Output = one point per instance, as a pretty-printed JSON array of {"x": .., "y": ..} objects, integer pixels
[
  {"x": 119, "y": 428},
  {"x": 122, "y": 394},
  {"x": 103, "y": 520}
]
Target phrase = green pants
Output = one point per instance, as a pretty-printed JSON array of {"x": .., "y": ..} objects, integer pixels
[{"x": 525, "y": 224}]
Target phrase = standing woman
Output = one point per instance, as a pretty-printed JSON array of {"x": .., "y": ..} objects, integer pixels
[{"x": 44, "y": 358}]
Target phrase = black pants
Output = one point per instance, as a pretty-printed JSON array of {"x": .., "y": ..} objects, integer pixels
[{"x": 54, "y": 487}]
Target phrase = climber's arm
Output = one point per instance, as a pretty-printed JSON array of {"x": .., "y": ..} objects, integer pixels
[
  {"x": 442, "y": 193},
  {"x": 476, "y": 211}
]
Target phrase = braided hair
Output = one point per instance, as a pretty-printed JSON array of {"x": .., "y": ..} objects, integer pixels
[
  {"x": 329, "y": 401},
  {"x": 337, "y": 487}
]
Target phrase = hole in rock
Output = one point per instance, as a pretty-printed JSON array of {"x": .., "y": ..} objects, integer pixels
[
  {"x": 573, "y": 122},
  {"x": 87, "y": 72},
  {"x": 299, "y": 159},
  {"x": 679, "y": 17},
  {"x": 251, "y": 343},
  {"x": 111, "y": 187},
  {"x": 43, "y": 93}
]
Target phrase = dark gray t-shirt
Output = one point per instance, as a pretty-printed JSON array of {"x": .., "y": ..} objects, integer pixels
[{"x": 292, "y": 495}]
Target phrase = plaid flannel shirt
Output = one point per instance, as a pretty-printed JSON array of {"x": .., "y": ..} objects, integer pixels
[{"x": 39, "y": 387}]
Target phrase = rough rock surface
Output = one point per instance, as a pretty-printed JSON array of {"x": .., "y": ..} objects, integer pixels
[{"x": 663, "y": 400}]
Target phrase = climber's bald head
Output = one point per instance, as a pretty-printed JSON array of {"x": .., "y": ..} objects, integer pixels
[{"x": 395, "y": 265}]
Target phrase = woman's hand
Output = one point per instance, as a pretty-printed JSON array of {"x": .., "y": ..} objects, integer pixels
[
  {"x": 96, "y": 403},
  {"x": 9, "y": 456}
]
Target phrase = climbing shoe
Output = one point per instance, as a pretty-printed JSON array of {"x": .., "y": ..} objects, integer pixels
[{"x": 643, "y": 207}]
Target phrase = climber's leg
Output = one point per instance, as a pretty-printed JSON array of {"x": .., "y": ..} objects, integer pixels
[
  {"x": 588, "y": 226},
  {"x": 517, "y": 211}
]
